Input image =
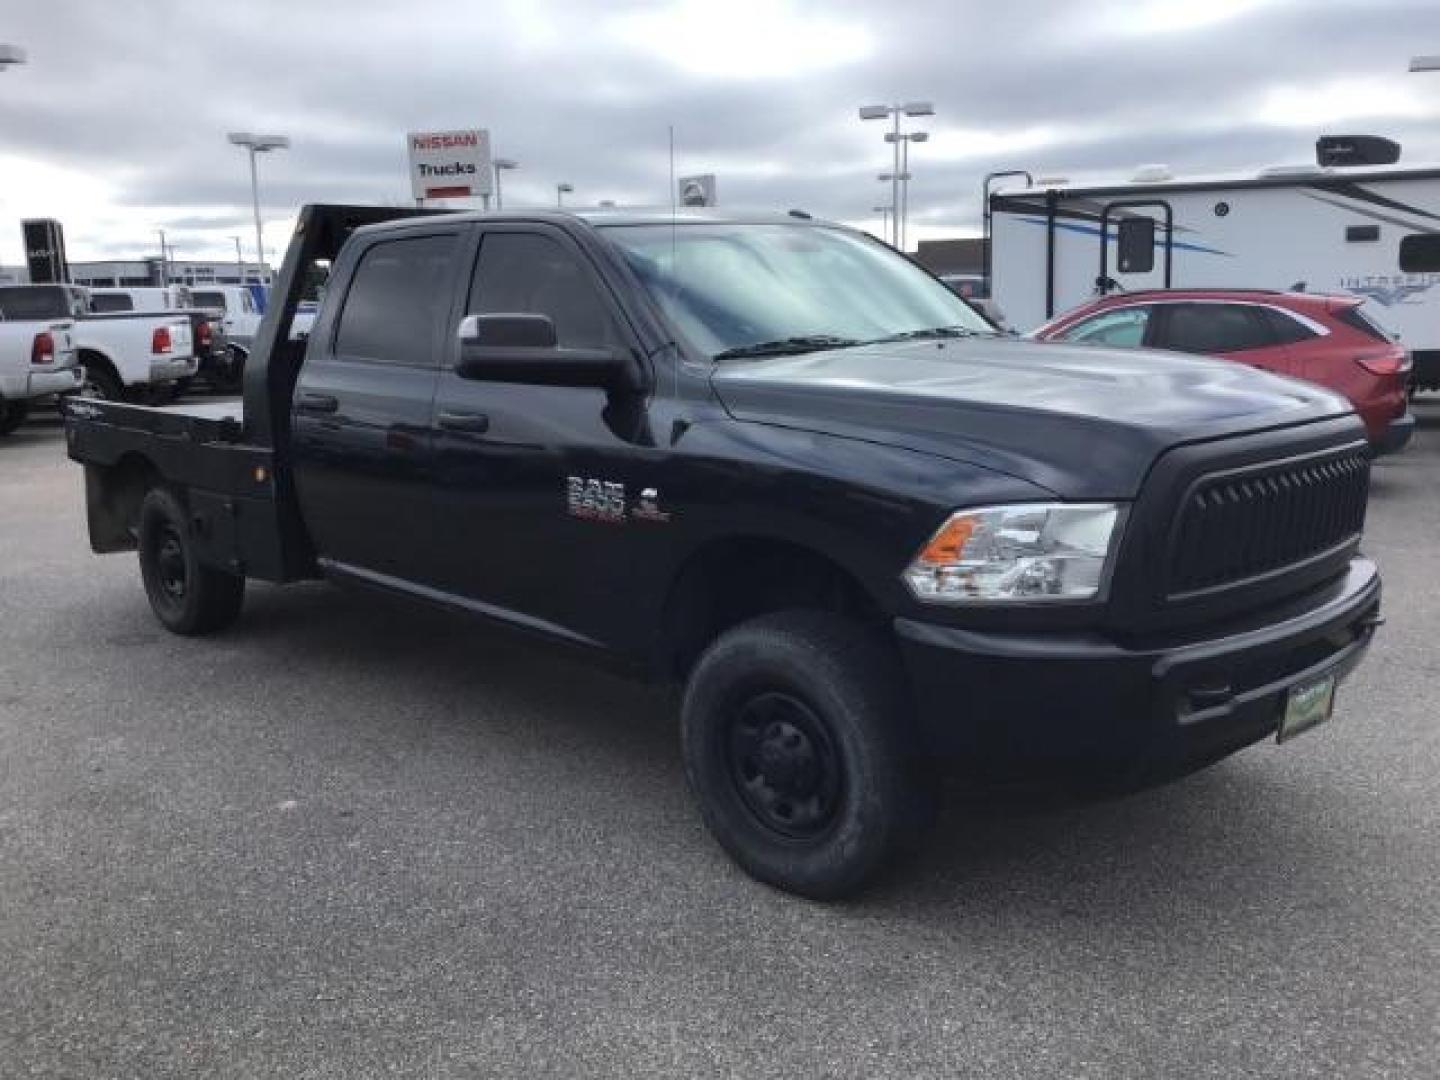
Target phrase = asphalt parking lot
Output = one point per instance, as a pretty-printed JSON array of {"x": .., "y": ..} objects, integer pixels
[{"x": 351, "y": 839}]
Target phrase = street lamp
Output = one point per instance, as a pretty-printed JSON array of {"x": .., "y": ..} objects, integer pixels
[
  {"x": 880, "y": 112},
  {"x": 258, "y": 144},
  {"x": 164, "y": 266},
  {"x": 11, "y": 55},
  {"x": 904, "y": 140},
  {"x": 500, "y": 164},
  {"x": 239, "y": 262},
  {"x": 884, "y": 212},
  {"x": 561, "y": 190}
]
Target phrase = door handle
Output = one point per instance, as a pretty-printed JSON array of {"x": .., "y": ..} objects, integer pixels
[
  {"x": 318, "y": 403},
  {"x": 475, "y": 423}
]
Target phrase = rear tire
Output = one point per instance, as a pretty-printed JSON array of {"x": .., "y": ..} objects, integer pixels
[
  {"x": 12, "y": 415},
  {"x": 187, "y": 597},
  {"x": 798, "y": 744},
  {"x": 102, "y": 383}
]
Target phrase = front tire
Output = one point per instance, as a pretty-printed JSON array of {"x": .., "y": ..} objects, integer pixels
[
  {"x": 187, "y": 597},
  {"x": 12, "y": 415},
  {"x": 798, "y": 745}
]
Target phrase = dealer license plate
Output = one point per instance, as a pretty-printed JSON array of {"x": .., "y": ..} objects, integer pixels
[{"x": 1308, "y": 705}]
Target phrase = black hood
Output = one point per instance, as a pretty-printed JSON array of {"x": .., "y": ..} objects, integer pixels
[{"x": 1081, "y": 421}]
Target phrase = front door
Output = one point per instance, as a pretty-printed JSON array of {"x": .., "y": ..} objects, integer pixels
[
  {"x": 361, "y": 421},
  {"x": 537, "y": 484}
]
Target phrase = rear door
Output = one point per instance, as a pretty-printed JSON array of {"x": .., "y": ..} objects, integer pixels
[
  {"x": 361, "y": 415},
  {"x": 1236, "y": 332}
]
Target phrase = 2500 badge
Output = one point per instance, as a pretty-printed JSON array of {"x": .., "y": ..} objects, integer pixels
[{"x": 605, "y": 500}]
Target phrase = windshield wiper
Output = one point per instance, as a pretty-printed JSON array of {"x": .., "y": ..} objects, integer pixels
[
  {"x": 929, "y": 332},
  {"x": 791, "y": 346}
]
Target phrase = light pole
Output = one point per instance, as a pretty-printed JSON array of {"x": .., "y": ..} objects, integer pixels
[
  {"x": 500, "y": 165},
  {"x": 11, "y": 56},
  {"x": 561, "y": 190},
  {"x": 894, "y": 179},
  {"x": 258, "y": 144},
  {"x": 905, "y": 139},
  {"x": 880, "y": 112},
  {"x": 164, "y": 269},
  {"x": 884, "y": 212},
  {"x": 239, "y": 262}
]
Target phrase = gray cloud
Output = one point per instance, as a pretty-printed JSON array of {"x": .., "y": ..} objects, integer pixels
[{"x": 141, "y": 95}]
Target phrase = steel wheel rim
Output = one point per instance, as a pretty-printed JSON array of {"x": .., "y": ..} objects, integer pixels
[
  {"x": 784, "y": 765},
  {"x": 170, "y": 571}
]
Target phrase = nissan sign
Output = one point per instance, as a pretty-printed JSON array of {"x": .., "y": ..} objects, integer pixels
[
  {"x": 449, "y": 164},
  {"x": 697, "y": 190}
]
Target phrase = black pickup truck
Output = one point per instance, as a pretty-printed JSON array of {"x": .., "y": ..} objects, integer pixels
[{"x": 772, "y": 461}]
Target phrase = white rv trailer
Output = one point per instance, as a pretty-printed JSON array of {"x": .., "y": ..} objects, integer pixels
[{"x": 1055, "y": 245}]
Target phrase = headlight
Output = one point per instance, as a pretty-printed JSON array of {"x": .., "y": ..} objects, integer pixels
[{"x": 1017, "y": 554}]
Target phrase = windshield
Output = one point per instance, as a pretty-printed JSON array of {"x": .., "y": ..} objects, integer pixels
[{"x": 736, "y": 289}]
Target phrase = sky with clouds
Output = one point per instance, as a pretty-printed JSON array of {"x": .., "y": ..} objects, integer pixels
[{"x": 117, "y": 123}]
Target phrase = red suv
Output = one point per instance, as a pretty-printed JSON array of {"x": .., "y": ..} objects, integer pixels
[{"x": 1325, "y": 339}]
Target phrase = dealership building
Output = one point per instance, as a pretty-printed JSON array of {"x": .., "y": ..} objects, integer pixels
[{"x": 114, "y": 273}]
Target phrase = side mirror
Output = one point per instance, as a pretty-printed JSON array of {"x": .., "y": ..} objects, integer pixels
[
  {"x": 522, "y": 331},
  {"x": 522, "y": 349}
]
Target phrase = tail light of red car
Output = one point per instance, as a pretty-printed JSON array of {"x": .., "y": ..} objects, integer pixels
[
  {"x": 205, "y": 334},
  {"x": 160, "y": 340},
  {"x": 42, "y": 349},
  {"x": 1388, "y": 362}
]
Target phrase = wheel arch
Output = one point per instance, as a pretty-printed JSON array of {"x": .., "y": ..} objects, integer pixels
[{"x": 730, "y": 579}]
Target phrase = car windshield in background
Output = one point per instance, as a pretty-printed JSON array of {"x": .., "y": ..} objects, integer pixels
[{"x": 747, "y": 290}]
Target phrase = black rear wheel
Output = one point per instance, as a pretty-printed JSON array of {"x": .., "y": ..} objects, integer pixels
[
  {"x": 186, "y": 596},
  {"x": 101, "y": 382},
  {"x": 798, "y": 745}
]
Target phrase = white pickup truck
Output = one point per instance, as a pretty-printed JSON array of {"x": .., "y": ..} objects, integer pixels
[
  {"x": 37, "y": 358},
  {"x": 125, "y": 355}
]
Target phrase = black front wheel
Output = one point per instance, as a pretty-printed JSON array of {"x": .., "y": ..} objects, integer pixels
[
  {"x": 12, "y": 415},
  {"x": 186, "y": 596},
  {"x": 798, "y": 745}
]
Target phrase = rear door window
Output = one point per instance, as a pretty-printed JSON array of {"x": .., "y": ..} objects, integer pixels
[
  {"x": 1284, "y": 329},
  {"x": 101, "y": 302},
  {"x": 214, "y": 300},
  {"x": 1123, "y": 327},
  {"x": 1213, "y": 328},
  {"x": 396, "y": 300}
]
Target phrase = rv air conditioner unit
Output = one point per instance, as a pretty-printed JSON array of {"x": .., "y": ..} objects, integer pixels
[
  {"x": 1356, "y": 150},
  {"x": 1152, "y": 174}
]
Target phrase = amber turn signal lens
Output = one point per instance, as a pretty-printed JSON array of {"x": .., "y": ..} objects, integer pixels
[{"x": 946, "y": 546}]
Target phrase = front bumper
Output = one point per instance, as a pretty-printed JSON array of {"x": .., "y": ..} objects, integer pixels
[
  {"x": 1397, "y": 433},
  {"x": 1138, "y": 711}
]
